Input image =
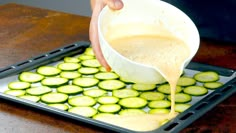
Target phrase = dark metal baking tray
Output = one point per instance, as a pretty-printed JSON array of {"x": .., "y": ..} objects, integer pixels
[{"x": 200, "y": 105}]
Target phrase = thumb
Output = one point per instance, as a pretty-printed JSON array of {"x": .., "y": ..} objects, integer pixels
[{"x": 115, "y": 4}]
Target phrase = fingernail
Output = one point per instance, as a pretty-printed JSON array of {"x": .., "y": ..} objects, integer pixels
[{"x": 118, "y": 4}]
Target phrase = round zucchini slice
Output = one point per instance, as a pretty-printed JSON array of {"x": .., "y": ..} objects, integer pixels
[
  {"x": 30, "y": 77},
  {"x": 144, "y": 87},
  {"x": 91, "y": 63},
  {"x": 89, "y": 51},
  {"x": 54, "y": 98},
  {"x": 106, "y": 75},
  {"x": 85, "y": 82},
  {"x": 30, "y": 98},
  {"x": 82, "y": 101},
  {"x": 195, "y": 90},
  {"x": 133, "y": 102},
  {"x": 71, "y": 60},
  {"x": 181, "y": 107},
  {"x": 54, "y": 81},
  {"x": 213, "y": 85},
  {"x": 48, "y": 70},
  {"x": 85, "y": 57},
  {"x": 101, "y": 115},
  {"x": 181, "y": 98},
  {"x": 19, "y": 85},
  {"x": 165, "y": 88},
  {"x": 111, "y": 84},
  {"x": 37, "y": 91},
  {"x": 125, "y": 93},
  {"x": 88, "y": 70},
  {"x": 84, "y": 111},
  {"x": 208, "y": 76},
  {"x": 186, "y": 81},
  {"x": 109, "y": 108},
  {"x": 70, "y": 75},
  {"x": 15, "y": 92},
  {"x": 95, "y": 92},
  {"x": 107, "y": 100},
  {"x": 60, "y": 106},
  {"x": 152, "y": 96},
  {"x": 160, "y": 104},
  {"x": 68, "y": 66},
  {"x": 70, "y": 89}
]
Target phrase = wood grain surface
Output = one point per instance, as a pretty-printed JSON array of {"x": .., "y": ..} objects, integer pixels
[{"x": 26, "y": 32}]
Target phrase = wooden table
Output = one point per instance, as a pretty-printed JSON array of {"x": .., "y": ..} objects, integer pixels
[{"x": 26, "y": 32}]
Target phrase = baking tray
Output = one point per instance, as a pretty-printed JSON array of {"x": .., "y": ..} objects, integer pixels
[{"x": 200, "y": 105}]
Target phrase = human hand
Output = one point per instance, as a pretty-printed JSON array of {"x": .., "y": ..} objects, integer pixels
[{"x": 97, "y": 6}]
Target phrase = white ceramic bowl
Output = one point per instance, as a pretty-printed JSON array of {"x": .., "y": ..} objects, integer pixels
[{"x": 144, "y": 12}]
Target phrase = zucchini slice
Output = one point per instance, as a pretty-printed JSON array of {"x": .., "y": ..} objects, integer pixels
[
  {"x": 15, "y": 92},
  {"x": 54, "y": 98},
  {"x": 109, "y": 108},
  {"x": 102, "y": 69},
  {"x": 89, "y": 51},
  {"x": 48, "y": 70},
  {"x": 165, "y": 88},
  {"x": 84, "y": 111},
  {"x": 160, "y": 104},
  {"x": 181, "y": 98},
  {"x": 71, "y": 60},
  {"x": 213, "y": 85},
  {"x": 133, "y": 102},
  {"x": 107, "y": 100},
  {"x": 195, "y": 90},
  {"x": 54, "y": 81},
  {"x": 60, "y": 106},
  {"x": 208, "y": 76},
  {"x": 70, "y": 75},
  {"x": 37, "y": 91},
  {"x": 88, "y": 70},
  {"x": 152, "y": 96},
  {"x": 19, "y": 85},
  {"x": 144, "y": 87},
  {"x": 132, "y": 112},
  {"x": 95, "y": 92},
  {"x": 186, "y": 81},
  {"x": 85, "y": 82},
  {"x": 101, "y": 115},
  {"x": 82, "y": 101},
  {"x": 68, "y": 66},
  {"x": 30, "y": 98},
  {"x": 91, "y": 63},
  {"x": 181, "y": 107},
  {"x": 30, "y": 77},
  {"x": 127, "y": 81},
  {"x": 85, "y": 57},
  {"x": 70, "y": 89},
  {"x": 106, "y": 75},
  {"x": 111, "y": 84},
  {"x": 125, "y": 93}
]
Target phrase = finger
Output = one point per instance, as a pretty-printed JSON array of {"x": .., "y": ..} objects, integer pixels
[
  {"x": 115, "y": 4},
  {"x": 93, "y": 34}
]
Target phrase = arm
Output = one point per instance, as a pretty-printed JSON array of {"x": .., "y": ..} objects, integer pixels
[{"x": 97, "y": 6}]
